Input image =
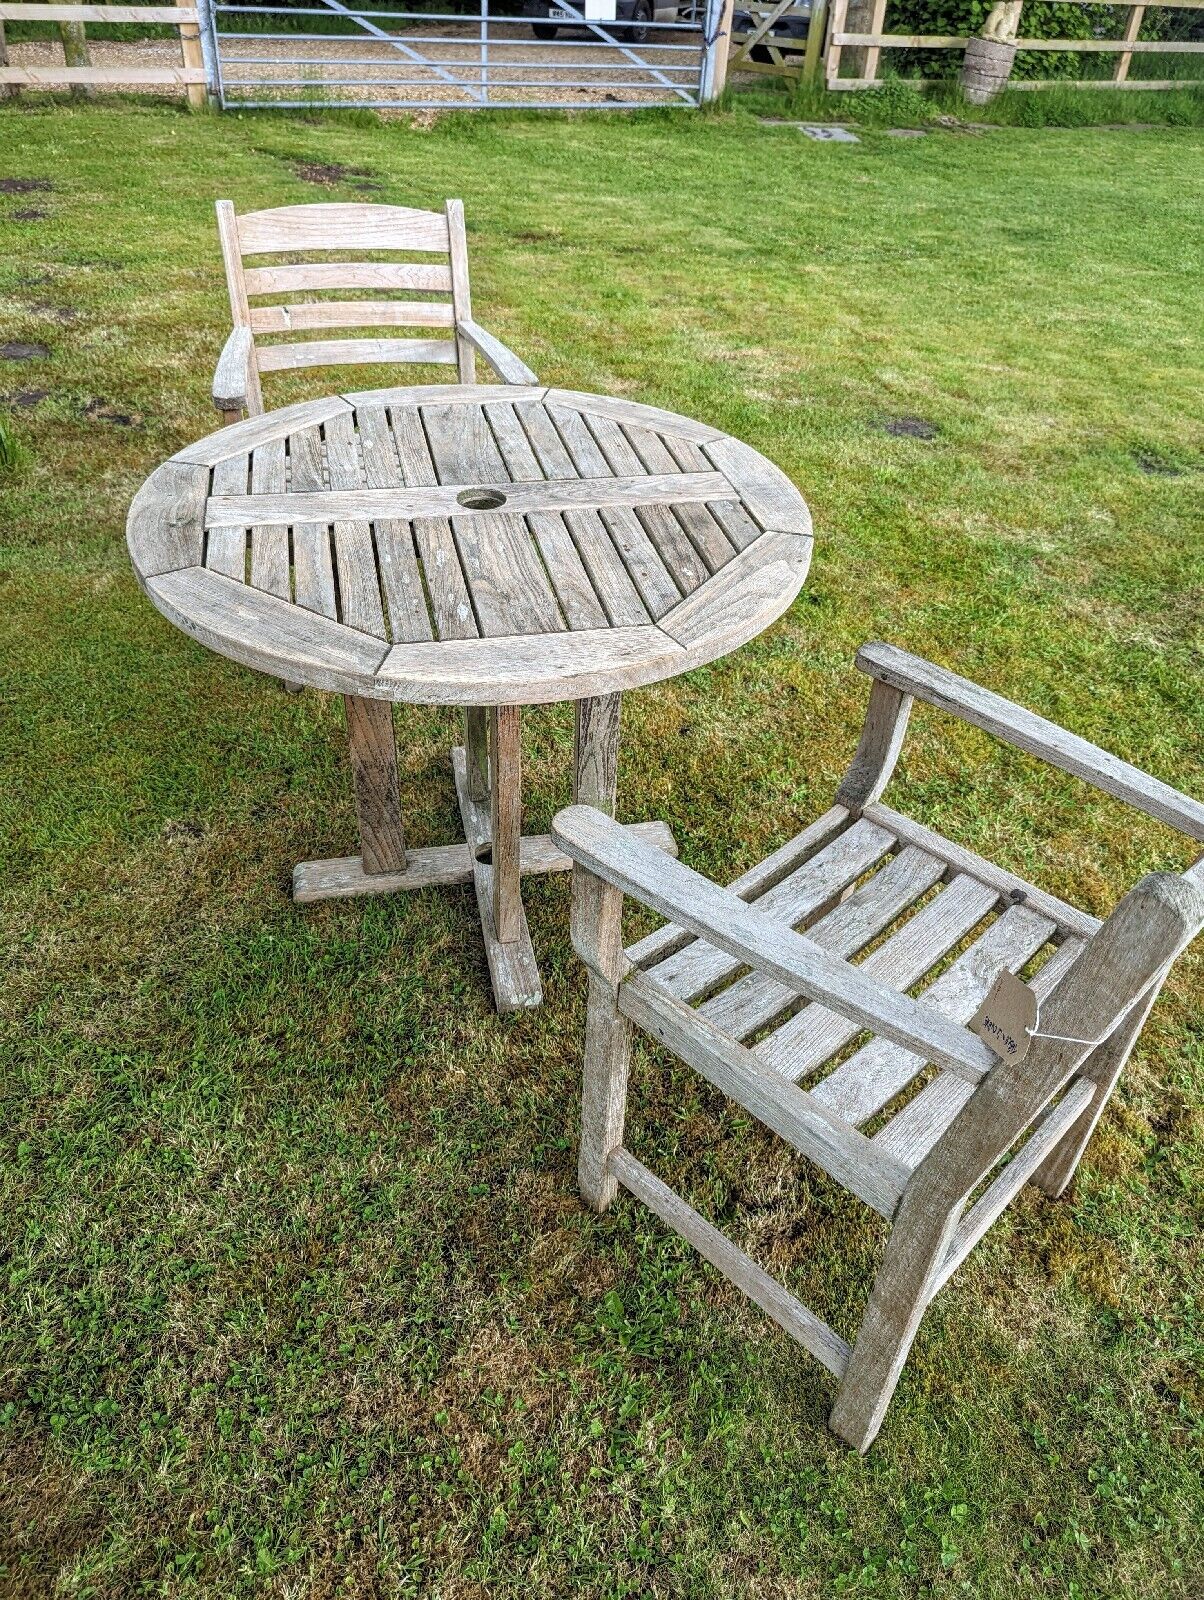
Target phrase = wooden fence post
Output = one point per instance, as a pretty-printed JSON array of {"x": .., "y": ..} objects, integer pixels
[
  {"x": 838, "y": 25},
  {"x": 192, "y": 56},
  {"x": 718, "y": 49},
  {"x": 8, "y": 91},
  {"x": 813, "y": 57}
]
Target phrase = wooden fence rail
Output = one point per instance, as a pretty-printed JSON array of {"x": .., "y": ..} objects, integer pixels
[
  {"x": 191, "y": 73},
  {"x": 1125, "y": 48}
]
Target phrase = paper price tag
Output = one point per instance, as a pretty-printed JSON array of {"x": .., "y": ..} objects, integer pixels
[
  {"x": 1007, "y": 1018},
  {"x": 600, "y": 10}
]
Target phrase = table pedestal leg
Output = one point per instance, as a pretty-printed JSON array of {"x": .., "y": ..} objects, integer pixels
[
  {"x": 492, "y": 829},
  {"x": 596, "y": 751},
  {"x": 373, "y": 750},
  {"x": 494, "y": 856},
  {"x": 505, "y": 818}
]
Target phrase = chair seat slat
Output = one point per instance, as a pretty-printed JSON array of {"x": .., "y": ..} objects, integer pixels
[
  {"x": 754, "y": 1000},
  {"x": 911, "y": 1134},
  {"x": 808, "y": 891},
  {"x": 811, "y": 1037}
]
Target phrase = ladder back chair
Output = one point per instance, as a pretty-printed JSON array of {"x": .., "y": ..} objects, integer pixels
[
  {"x": 264, "y": 340},
  {"x": 347, "y": 231},
  {"x": 916, "y": 1121}
]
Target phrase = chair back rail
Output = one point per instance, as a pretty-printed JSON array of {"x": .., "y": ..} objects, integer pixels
[{"x": 329, "y": 229}]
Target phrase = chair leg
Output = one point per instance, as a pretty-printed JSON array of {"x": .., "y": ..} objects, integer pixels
[
  {"x": 603, "y": 1092},
  {"x": 896, "y": 1308},
  {"x": 373, "y": 752},
  {"x": 1104, "y": 1067}
]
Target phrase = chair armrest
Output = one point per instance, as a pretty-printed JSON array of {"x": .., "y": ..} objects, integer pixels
[
  {"x": 1029, "y": 732},
  {"x": 602, "y": 847},
  {"x": 503, "y": 361},
  {"x": 232, "y": 375}
]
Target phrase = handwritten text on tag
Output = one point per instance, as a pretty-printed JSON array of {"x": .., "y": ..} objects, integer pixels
[{"x": 1007, "y": 1017}]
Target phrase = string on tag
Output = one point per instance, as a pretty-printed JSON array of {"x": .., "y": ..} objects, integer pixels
[{"x": 1066, "y": 1038}]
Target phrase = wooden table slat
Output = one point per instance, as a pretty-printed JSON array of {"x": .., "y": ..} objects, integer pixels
[
  {"x": 547, "y": 444},
  {"x": 506, "y": 578},
  {"x": 269, "y": 545},
  {"x": 578, "y": 599},
  {"x": 522, "y": 464},
  {"x": 226, "y": 547},
  {"x": 313, "y": 559},
  {"x": 462, "y": 445},
  {"x": 355, "y": 553},
  {"x": 450, "y": 599}
]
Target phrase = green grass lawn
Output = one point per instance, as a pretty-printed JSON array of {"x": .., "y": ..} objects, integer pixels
[{"x": 298, "y": 1297}]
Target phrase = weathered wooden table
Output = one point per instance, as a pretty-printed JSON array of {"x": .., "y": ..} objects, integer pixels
[{"x": 477, "y": 546}]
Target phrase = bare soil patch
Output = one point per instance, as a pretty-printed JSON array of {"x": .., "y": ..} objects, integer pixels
[{"x": 908, "y": 428}]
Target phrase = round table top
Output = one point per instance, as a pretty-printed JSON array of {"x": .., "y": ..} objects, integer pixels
[{"x": 470, "y": 544}]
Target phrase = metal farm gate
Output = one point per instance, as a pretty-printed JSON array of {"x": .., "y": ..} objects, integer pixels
[{"x": 271, "y": 56}]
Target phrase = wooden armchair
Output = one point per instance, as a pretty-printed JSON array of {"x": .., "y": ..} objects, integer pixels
[
  {"x": 721, "y": 986},
  {"x": 345, "y": 231}
]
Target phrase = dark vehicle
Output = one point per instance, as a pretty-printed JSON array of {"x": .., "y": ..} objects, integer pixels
[
  {"x": 793, "y": 24},
  {"x": 632, "y": 18}
]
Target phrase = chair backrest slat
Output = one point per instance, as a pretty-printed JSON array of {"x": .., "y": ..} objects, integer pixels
[
  {"x": 347, "y": 275},
  {"x": 333, "y": 227},
  {"x": 346, "y": 230},
  {"x": 351, "y": 314}
]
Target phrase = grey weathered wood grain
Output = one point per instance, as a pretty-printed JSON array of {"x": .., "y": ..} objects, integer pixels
[
  {"x": 1007, "y": 884},
  {"x": 226, "y": 548},
  {"x": 269, "y": 546},
  {"x": 302, "y": 276},
  {"x": 243, "y": 437},
  {"x": 753, "y": 1001},
  {"x": 260, "y": 631},
  {"x": 522, "y": 465},
  {"x": 440, "y": 866},
  {"x": 611, "y": 581},
  {"x": 574, "y": 591},
  {"x": 512, "y": 968},
  {"x": 463, "y": 447},
  {"x": 912, "y": 1132},
  {"x": 354, "y": 352},
  {"x": 526, "y": 669},
  {"x": 165, "y": 526},
  {"x": 804, "y": 894},
  {"x": 333, "y": 225},
  {"x": 313, "y": 556},
  {"x": 751, "y": 592},
  {"x": 308, "y": 316},
  {"x": 763, "y": 489},
  {"x": 451, "y": 603},
  {"x": 509, "y": 586},
  {"x": 373, "y": 750},
  {"x": 811, "y": 1037},
  {"x": 750, "y": 885},
  {"x": 872, "y": 1077},
  {"x": 520, "y": 498},
  {"x": 807, "y": 1127}
]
